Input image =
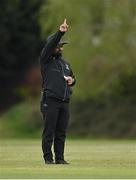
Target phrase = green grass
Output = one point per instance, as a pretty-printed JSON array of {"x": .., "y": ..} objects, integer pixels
[{"x": 88, "y": 159}]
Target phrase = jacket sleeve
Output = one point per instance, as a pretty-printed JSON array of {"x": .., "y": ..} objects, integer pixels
[{"x": 50, "y": 45}]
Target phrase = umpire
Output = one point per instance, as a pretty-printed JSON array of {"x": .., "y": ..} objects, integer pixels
[{"x": 57, "y": 80}]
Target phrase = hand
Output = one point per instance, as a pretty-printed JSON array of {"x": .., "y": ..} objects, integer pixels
[
  {"x": 64, "y": 26},
  {"x": 68, "y": 79}
]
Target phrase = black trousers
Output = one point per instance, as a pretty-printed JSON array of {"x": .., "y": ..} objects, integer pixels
[{"x": 55, "y": 118}]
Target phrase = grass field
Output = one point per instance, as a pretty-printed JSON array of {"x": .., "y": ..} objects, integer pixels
[{"x": 88, "y": 158}]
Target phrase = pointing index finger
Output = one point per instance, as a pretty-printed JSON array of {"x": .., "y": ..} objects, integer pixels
[{"x": 65, "y": 21}]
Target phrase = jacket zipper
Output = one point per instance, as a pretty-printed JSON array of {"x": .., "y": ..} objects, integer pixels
[{"x": 65, "y": 92}]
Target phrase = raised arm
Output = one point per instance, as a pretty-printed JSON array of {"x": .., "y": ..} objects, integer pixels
[{"x": 52, "y": 42}]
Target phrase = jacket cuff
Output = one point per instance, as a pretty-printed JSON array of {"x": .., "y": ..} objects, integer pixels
[{"x": 61, "y": 33}]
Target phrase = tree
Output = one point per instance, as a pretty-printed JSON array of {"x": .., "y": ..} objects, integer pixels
[{"x": 19, "y": 42}]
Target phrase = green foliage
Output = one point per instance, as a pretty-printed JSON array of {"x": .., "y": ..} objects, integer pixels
[
  {"x": 104, "y": 117},
  {"x": 23, "y": 120}
]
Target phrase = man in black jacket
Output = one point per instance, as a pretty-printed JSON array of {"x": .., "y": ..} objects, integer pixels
[{"x": 57, "y": 80}]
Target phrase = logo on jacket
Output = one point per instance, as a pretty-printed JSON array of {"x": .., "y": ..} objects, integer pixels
[{"x": 67, "y": 67}]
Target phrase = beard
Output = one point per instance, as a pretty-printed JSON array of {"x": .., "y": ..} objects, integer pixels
[{"x": 58, "y": 53}]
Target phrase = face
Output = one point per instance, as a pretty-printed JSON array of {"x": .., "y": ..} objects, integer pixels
[{"x": 59, "y": 50}]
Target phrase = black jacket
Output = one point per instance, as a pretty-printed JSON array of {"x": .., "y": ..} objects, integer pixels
[{"x": 53, "y": 70}]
